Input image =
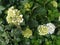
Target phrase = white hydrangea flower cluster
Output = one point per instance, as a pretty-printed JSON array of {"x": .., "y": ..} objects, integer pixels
[
  {"x": 14, "y": 16},
  {"x": 49, "y": 28}
]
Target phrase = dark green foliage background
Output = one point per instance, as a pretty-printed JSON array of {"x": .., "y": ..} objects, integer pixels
[{"x": 38, "y": 14}]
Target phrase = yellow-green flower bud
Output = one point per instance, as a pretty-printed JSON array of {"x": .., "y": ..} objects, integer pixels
[
  {"x": 27, "y": 6},
  {"x": 54, "y": 4},
  {"x": 27, "y": 33}
]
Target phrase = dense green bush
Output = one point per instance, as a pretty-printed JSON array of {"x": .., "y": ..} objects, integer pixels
[{"x": 29, "y": 22}]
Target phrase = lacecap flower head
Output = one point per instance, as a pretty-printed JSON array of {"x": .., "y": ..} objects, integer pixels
[
  {"x": 27, "y": 33},
  {"x": 42, "y": 29},
  {"x": 14, "y": 16}
]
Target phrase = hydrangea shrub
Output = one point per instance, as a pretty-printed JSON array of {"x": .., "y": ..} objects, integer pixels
[{"x": 29, "y": 22}]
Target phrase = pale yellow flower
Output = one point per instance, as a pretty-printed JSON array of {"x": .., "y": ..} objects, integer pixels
[
  {"x": 42, "y": 29},
  {"x": 12, "y": 12},
  {"x": 27, "y": 33},
  {"x": 9, "y": 19},
  {"x": 14, "y": 16},
  {"x": 17, "y": 20}
]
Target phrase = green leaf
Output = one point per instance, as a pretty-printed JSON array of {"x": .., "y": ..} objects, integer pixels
[
  {"x": 40, "y": 11},
  {"x": 1, "y": 8},
  {"x": 48, "y": 42},
  {"x": 33, "y": 23},
  {"x": 0, "y": 0},
  {"x": 43, "y": 1},
  {"x": 53, "y": 14},
  {"x": 58, "y": 40}
]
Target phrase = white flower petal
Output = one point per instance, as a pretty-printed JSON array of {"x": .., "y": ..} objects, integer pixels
[
  {"x": 21, "y": 20},
  {"x": 51, "y": 28},
  {"x": 21, "y": 15}
]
